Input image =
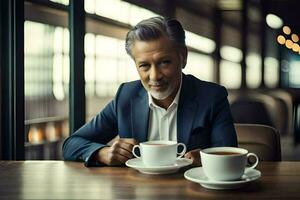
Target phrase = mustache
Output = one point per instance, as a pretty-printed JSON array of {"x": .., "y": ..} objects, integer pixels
[{"x": 156, "y": 83}]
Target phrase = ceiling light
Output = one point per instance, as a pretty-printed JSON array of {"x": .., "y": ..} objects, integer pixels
[
  {"x": 274, "y": 21},
  {"x": 231, "y": 53},
  {"x": 199, "y": 42},
  {"x": 230, "y": 5}
]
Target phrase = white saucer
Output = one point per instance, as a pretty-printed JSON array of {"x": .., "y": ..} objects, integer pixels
[
  {"x": 138, "y": 164},
  {"x": 197, "y": 175}
]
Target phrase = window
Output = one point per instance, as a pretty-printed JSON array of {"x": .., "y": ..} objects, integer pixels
[
  {"x": 253, "y": 70},
  {"x": 294, "y": 74},
  {"x": 61, "y": 63},
  {"x": 47, "y": 61},
  {"x": 199, "y": 42},
  {"x": 38, "y": 59},
  {"x": 106, "y": 63},
  {"x": 46, "y": 85},
  {"x": 106, "y": 66},
  {"x": 65, "y": 2},
  {"x": 118, "y": 10},
  {"x": 230, "y": 74},
  {"x": 231, "y": 54},
  {"x": 271, "y": 72},
  {"x": 200, "y": 66},
  {"x": 230, "y": 68}
]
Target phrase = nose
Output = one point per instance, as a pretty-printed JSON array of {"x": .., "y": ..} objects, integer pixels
[{"x": 155, "y": 73}]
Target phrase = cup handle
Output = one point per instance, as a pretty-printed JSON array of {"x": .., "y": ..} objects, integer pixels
[
  {"x": 183, "y": 150},
  {"x": 256, "y": 158},
  {"x": 133, "y": 150}
]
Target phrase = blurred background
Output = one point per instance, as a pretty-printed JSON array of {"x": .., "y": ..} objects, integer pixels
[{"x": 251, "y": 47}]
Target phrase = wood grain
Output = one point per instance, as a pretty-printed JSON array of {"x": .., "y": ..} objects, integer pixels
[{"x": 71, "y": 180}]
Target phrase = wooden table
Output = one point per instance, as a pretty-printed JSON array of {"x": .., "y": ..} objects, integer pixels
[{"x": 71, "y": 180}]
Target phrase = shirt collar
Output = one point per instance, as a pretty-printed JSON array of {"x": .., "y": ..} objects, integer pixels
[{"x": 175, "y": 101}]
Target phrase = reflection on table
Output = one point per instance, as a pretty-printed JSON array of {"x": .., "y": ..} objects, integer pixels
[{"x": 71, "y": 180}]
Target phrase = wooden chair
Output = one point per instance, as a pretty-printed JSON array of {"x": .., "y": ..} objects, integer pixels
[{"x": 262, "y": 140}]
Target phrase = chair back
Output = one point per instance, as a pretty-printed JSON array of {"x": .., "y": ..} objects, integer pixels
[
  {"x": 287, "y": 113},
  {"x": 262, "y": 140},
  {"x": 250, "y": 107}
]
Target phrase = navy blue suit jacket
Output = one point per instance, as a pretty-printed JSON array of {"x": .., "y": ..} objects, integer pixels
[{"x": 203, "y": 119}]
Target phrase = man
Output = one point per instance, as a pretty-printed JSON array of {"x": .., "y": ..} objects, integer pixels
[{"x": 164, "y": 105}]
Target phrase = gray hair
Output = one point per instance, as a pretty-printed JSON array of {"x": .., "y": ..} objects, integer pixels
[{"x": 153, "y": 28}]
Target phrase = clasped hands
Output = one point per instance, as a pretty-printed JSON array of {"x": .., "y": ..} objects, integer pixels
[{"x": 121, "y": 151}]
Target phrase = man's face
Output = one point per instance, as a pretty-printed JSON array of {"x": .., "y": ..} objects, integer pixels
[{"x": 159, "y": 64}]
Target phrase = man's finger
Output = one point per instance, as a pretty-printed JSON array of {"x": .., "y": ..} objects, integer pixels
[
  {"x": 126, "y": 146},
  {"x": 124, "y": 153},
  {"x": 129, "y": 141}
]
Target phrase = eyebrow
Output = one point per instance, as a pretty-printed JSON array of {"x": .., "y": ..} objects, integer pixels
[
  {"x": 142, "y": 61},
  {"x": 159, "y": 58}
]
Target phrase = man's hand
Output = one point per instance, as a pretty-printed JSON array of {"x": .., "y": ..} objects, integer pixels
[
  {"x": 195, "y": 156},
  {"x": 118, "y": 153}
]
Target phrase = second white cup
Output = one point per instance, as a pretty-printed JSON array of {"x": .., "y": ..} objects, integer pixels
[{"x": 225, "y": 163}]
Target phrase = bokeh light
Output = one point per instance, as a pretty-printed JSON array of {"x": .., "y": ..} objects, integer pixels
[
  {"x": 289, "y": 44},
  {"x": 281, "y": 39},
  {"x": 295, "y": 47},
  {"x": 295, "y": 37},
  {"x": 286, "y": 30}
]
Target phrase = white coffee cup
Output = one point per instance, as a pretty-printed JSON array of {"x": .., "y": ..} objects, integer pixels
[
  {"x": 225, "y": 163},
  {"x": 159, "y": 153}
]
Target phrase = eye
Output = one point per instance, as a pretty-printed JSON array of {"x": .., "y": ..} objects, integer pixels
[
  {"x": 144, "y": 66},
  {"x": 165, "y": 62}
]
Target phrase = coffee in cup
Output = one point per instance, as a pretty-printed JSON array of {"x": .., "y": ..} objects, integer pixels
[
  {"x": 159, "y": 152},
  {"x": 225, "y": 163}
]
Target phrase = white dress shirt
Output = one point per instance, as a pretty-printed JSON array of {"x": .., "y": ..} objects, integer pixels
[{"x": 163, "y": 123}]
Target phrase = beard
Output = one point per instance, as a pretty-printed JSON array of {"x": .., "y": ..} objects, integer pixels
[{"x": 161, "y": 95}]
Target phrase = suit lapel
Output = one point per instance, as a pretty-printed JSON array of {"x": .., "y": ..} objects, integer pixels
[
  {"x": 186, "y": 110},
  {"x": 140, "y": 116}
]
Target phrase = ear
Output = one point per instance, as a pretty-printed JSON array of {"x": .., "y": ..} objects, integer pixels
[{"x": 183, "y": 56}]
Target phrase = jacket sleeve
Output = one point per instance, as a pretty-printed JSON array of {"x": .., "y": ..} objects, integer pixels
[
  {"x": 81, "y": 145},
  {"x": 223, "y": 131}
]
